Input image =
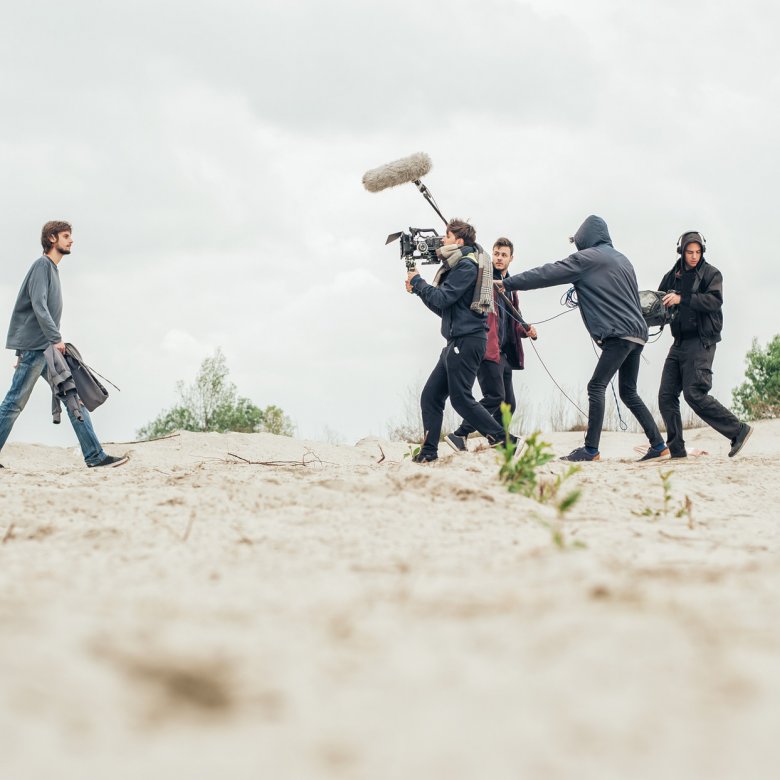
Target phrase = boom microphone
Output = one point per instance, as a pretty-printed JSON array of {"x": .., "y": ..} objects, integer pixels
[{"x": 407, "y": 169}]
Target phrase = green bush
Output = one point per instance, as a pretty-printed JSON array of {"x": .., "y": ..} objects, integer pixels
[
  {"x": 212, "y": 403},
  {"x": 758, "y": 397}
]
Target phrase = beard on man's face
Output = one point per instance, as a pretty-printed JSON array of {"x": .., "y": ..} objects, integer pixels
[{"x": 63, "y": 250}]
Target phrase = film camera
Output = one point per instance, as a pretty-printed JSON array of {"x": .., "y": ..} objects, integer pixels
[{"x": 419, "y": 245}]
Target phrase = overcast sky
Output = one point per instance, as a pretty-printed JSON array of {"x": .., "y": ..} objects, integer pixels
[{"x": 209, "y": 155}]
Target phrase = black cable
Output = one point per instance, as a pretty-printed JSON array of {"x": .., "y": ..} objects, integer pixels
[
  {"x": 544, "y": 366},
  {"x": 550, "y": 319}
]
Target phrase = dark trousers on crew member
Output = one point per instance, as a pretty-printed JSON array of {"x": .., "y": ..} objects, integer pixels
[
  {"x": 454, "y": 376},
  {"x": 495, "y": 382},
  {"x": 622, "y": 357},
  {"x": 688, "y": 370}
]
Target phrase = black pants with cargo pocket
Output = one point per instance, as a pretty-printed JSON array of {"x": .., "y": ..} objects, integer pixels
[
  {"x": 454, "y": 376},
  {"x": 688, "y": 370}
]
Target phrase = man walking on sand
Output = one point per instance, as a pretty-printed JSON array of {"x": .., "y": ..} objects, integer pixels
[
  {"x": 608, "y": 298},
  {"x": 504, "y": 352},
  {"x": 461, "y": 296},
  {"x": 35, "y": 325},
  {"x": 696, "y": 288}
]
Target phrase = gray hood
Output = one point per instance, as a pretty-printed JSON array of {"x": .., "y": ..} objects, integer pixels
[{"x": 592, "y": 232}]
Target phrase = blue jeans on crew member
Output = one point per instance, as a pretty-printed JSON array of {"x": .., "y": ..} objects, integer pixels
[{"x": 32, "y": 364}]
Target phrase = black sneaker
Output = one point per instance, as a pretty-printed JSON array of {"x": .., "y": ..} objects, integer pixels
[
  {"x": 424, "y": 457},
  {"x": 458, "y": 443},
  {"x": 110, "y": 461},
  {"x": 739, "y": 441},
  {"x": 581, "y": 454},
  {"x": 502, "y": 440},
  {"x": 655, "y": 455},
  {"x": 678, "y": 455}
]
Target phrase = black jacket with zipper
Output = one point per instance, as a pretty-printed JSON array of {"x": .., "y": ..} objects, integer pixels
[
  {"x": 451, "y": 300},
  {"x": 705, "y": 298}
]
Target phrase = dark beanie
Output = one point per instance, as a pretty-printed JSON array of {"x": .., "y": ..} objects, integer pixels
[{"x": 691, "y": 238}]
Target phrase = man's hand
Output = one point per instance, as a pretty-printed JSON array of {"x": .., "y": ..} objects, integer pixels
[
  {"x": 499, "y": 285},
  {"x": 409, "y": 276},
  {"x": 60, "y": 347},
  {"x": 531, "y": 331},
  {"x": 671, "y": 299}
]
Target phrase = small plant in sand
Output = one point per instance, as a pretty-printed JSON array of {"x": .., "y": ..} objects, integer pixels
[
  {"x": 414, "y": 449},
  {"x": 519, "y": 472},
  {"x": 685, "y": 508}
]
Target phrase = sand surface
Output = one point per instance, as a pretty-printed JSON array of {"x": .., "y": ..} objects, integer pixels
[{"x": 191, "y": 615}]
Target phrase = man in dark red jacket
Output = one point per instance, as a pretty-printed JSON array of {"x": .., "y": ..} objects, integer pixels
[{"x": 503, "y": 354}]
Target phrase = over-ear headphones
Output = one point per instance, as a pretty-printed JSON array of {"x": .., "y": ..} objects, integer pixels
[{"x": 691, "y": 235}]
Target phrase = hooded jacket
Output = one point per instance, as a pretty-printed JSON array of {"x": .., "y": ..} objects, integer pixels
[
  {"x": 605, "y": 281},
  {"x": 705, "y": 299},
  {"x": 452, "y": 299}
]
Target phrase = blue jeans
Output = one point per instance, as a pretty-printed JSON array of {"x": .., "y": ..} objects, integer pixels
[{"x": 32, "y": 364}]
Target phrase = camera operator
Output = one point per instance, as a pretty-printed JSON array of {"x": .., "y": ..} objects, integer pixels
[
  {"x": 608, "y": 299},
  {"x": 696, "y": 288},
  {"x": 504, "y": 352},
  {"x": 455, "y": 297}
]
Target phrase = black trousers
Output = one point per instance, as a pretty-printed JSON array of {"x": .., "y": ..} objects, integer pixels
[
  {"x": 454, "y": 376},
  {"x": 495, "y": 382},
  {"x": 621, "y": 357},
  {"x": 688, "y": 370}
]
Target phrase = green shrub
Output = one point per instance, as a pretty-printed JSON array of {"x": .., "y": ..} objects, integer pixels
[
  {"x": 758, "y": 397},
  {"x": 212, "y": 403}
]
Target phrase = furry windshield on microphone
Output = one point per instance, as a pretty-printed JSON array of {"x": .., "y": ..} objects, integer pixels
[{"x": 411, "y": 168}]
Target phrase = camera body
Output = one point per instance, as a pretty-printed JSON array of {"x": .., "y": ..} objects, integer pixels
[{"x": 419, "y": 245}]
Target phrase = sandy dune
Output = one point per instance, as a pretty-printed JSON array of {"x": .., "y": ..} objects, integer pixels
[{"x": 191, "y": 615}]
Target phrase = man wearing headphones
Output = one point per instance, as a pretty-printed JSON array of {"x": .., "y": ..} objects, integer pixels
[{"x": 696, "y": 288}]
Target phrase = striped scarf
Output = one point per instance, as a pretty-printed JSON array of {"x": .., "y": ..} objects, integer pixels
[{"x": 450, "y": 255}]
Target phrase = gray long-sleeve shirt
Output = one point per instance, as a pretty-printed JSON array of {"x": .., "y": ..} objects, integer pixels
[{"x": 35, "y": 321}]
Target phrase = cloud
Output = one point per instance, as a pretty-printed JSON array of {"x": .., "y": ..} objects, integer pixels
[{"x": 210, "y": 156}]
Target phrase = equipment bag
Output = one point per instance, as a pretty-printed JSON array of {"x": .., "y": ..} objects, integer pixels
[{"x": 653, "y": 309}]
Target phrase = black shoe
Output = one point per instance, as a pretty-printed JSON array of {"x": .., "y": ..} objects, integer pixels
[
  {"x": 495, "y": 442},
  {"x": 458, "y": 443},
  {"x": 655, "y": 455},
  {"x": 424, "y": 457},
  {"x": 739, "y": 441},
  {"x": 678, "y": 455},
  {"x": 110, "y": 461},
  {"x": 581, "y": 455}
]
